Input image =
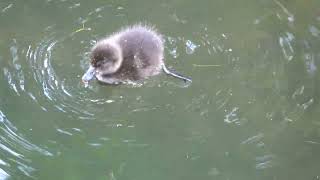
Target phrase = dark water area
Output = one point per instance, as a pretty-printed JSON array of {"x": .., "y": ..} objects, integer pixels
[{"x": 252, "y": 111}]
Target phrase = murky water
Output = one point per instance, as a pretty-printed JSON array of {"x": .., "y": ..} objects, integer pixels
[{"x": 250, "y": 113}]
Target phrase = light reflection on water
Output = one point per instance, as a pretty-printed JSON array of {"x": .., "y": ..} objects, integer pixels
[
  {"x": 13, "y": 147},
  {"x": 253, "y": 100}
]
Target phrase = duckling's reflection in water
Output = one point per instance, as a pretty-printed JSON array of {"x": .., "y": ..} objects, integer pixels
[{"x": 132, "y": 54}]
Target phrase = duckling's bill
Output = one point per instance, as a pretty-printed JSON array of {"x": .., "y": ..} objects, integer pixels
[{"x": 89, "y": 75}]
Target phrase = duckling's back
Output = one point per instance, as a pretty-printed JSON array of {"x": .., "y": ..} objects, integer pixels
[{"x": 142, "y": 50}]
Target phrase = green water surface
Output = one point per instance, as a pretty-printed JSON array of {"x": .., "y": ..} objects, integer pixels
[{"x": 252, "y": 111}]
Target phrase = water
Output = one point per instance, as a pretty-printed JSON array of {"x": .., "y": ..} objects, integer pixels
[{"x": 250, "y": 113}]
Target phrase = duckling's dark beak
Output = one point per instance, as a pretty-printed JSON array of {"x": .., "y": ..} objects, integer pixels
[{"x": 89, "y": 75}]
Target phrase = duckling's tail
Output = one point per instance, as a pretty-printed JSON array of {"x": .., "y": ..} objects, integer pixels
[{"x": 174, "y": 74}]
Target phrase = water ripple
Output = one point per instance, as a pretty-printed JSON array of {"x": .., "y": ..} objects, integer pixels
[
  {"x": 286, "y": 45},
  {"x": 14, "y": 148},
  {"x": 254, "y": 139},
  {"x": 3, "y": 174},
  {"x": 264, "y": 162},
  {"x": 32, "y": 73}
]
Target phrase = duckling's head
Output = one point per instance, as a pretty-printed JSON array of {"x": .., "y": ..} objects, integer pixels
[{"x": 106, "y": 59}]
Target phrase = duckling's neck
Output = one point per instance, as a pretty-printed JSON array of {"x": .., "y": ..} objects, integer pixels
[
  {"x": 113, "y": 43},
  {"x": 118, "y": 51}
]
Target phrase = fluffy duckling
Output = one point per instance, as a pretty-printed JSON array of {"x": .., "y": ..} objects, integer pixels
[{"x": 132, "y": 54}]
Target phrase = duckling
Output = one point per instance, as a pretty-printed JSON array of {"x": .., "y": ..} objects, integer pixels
[{"x": 132, "y": 54}]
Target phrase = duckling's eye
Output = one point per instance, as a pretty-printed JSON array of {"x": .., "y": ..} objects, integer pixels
[
  {"x": 102, "y": 62},
  {"x": 99, "y": 63}
]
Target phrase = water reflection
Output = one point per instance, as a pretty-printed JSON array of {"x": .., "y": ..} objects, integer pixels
[
  {"x": 14, "y": 150},
  {"x": 251, "y": 110}
]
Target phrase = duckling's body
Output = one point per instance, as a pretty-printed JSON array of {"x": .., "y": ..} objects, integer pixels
[
  {"x": 132, "y": 54},
  {"x": 142, "y": 53}
]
